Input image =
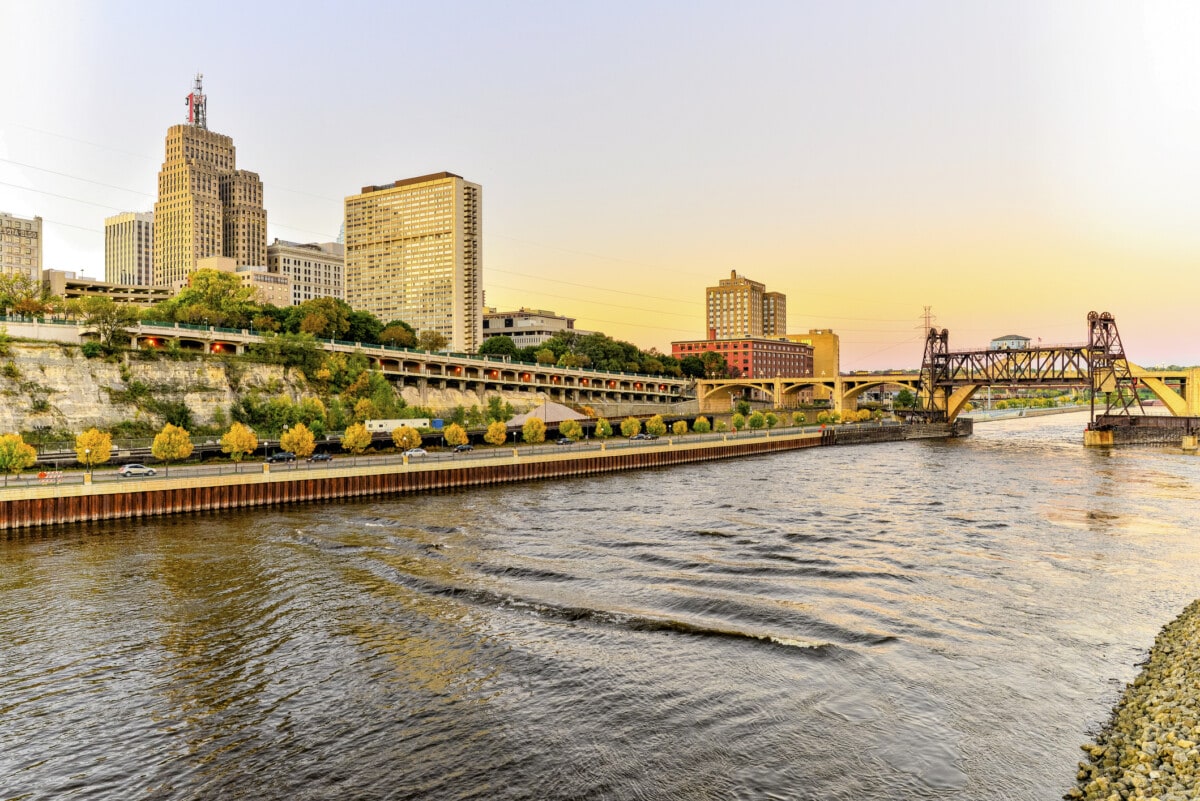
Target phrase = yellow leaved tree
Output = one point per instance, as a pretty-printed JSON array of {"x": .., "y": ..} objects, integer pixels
[
  {"x": 238, "y": 441},
  {"x": 93, "y": 447},
  {"x": 356, "y": 439},
  {"x": 15, "y": 455},
  {"x": 455, "y": 435},
  {"x": 299, "y": 440},
  {"x": 406, "y": 437},
  {"x": 497, "y": 434},
  {"x": 170, "y": 444},
  {"x": 534, "y": 431}
]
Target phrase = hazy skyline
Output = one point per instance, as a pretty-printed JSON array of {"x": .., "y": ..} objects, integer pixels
[{"x": 1013, "y": 165}]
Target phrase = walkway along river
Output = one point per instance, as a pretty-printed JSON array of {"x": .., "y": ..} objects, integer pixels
[{"x": 936, "y": 619}]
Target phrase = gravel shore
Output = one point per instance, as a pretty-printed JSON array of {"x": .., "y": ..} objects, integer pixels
[{"x": 1148, "y": 750}]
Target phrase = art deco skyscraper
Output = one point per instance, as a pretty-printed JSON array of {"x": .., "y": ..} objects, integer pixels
[
  {"x": 413, "y": 254},
  {"x": 738, "y": 307},
  {"x": 206, "y": 206}
]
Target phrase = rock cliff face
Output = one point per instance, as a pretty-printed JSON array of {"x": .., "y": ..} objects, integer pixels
[
  {"x": 47, "y": 385},
  {"x": 53, "y": 386}
]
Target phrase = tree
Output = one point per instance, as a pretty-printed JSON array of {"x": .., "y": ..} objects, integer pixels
[
  {"x": 534, "y": 431},
  {"x": 497, "y": 433},
  {"x": 692, "y": 366},
  {"x": 631, "y": 426},
  {"x": 108, "y": 318},
  {"x": 299, "y": 440},
  {"x": 498, "y": 346},
  {"x": 15, "y": 455},
  {"x": 238, "y": 441},
  {"x": 771, "y": 419},
  {"x": 364, "y": 327},
  {"x": 656, "y": 426},
  {"x": 715, "y": 365},
  {"x": 738, "y": 421},
  {"x": 679, "y": 428},
  {"x": 603, "y": 429},
  {"x": 217, "y": 297},
  {"x": 365, "y": 409},
  {"x": 406, "y": 437},
  {"x": 701, "y": 425},
  {"x": 398, "y": 336},
  {"x": 357, "y": 439},
  {"x": 864, "y": 415},
  {"x": 430, "y": 340},
  {"x": 545, "y": 356},
  {"x": 743, "y": 408},
  {"x": 499, "y": 410},
  {"x": 455, "y": 435},
  {"x": 170, "y": 444},
  {"x": 756, "y": 420},
  {"x": 571, "y": 430},
  {"x": 93, "y": 447},
  {"x": 905, "y": 399},
  {"x": 798, "y": 418}
]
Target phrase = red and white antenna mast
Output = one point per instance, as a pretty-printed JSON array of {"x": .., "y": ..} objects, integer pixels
[{"x": 196, "y": 104}]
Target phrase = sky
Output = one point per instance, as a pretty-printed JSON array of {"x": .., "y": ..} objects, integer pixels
[{"x": 1011, "y": 165}]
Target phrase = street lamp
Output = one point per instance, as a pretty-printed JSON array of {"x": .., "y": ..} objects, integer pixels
[{"x": 87, "y": 460}]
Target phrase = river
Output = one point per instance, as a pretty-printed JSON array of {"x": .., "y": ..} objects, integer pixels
[{"x": 920, "y": 620}]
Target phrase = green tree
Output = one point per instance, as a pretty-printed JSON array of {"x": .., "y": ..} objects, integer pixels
[
  {"x": 238, "y": 441},
  {"x": 631, "y": 427},
  {"x": 743, "y": 408},
  {"x": 15, "y": 455},
  {"x": 93, "y": 447},
  {"x": 692, "y": 366},
  {"x": 364, "y": 327},
  {"x": 455, "y": 435},
  {"x": 656, "y": 426},
  {"x": 498, "y": 346},
  {"x": 571, "y": 430},
  {"x": 497, "y": 433},
  {"x": 679, "y": 428},
  {"x": 108, "y": 319},
  {"x": 715, "y": 365},
  {"x": 756, "y": 420},
  {"x": 357, "y": 439},
  {"x": 499, "y": 410},
  {"x": 701, "y": 425},
  {"x": 311, "y": 411},
  {"x": 534, "y": 431},
  {"x": 771, "y": 419},
  {"x": 545, "y": 356},
  {"x": 430, "y": 340},
  {"x": 299, "y": 440},
  {"x": 365, "y": 409},
  {"x": 406, "y": 437},
  {"x": 603, "y": 429},
  {"x": 798, "y": 418},
  {"x": 905, "y": 399},
  {"x": 721, "y": 426},
  {"x": 171, "y": 444},
  {"x": 398, "y": 336},
  {"x": 211, "y": 296},
  {"x": 738, "y": 421}
]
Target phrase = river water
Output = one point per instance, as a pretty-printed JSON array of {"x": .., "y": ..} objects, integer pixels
[{"x": 921, "y": 620}]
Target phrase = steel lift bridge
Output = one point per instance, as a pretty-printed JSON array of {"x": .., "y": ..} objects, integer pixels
[{"x": 949, "y": 379}]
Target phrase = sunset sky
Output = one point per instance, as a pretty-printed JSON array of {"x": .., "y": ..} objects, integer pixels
[{"x": 1013, "y": 165}]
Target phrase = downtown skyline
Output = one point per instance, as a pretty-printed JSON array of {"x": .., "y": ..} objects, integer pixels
[{"x": 1014, "y": 167}]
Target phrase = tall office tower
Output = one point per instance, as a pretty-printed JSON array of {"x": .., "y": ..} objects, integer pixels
[
  {"x": 206, "y": 206},
  {"x": 738, "y": 307},
  {"x": 413, "y": 254},
  {"x": 21, "y": 246},
  {"x": 316, "y": 269},
  {"x": 129, "y": 249}
]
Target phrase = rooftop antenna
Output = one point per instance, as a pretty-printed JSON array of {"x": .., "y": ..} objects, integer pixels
[{"x": 196, "y": 104}]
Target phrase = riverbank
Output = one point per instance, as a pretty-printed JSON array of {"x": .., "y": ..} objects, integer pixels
[{"x": 1148, "y": 750}]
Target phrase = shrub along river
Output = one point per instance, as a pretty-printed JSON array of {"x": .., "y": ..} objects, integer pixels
[{"x": 920, "y": 620}]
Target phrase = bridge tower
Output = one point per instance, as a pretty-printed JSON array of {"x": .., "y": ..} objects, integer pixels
[
  {"x": 935, "y": 375},
  {"x": 1108, "y": 369}
]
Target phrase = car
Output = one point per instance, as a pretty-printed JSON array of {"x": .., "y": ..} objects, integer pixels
[
  {"x": 281, "y": 456},
  {"x": 321, "y": 457},
  {"x": 416, "y": 452},
  {"x": 128, "y": 470},
  {"x": 643, "y": 435},
  {"x": 564, "y": 441},
  {"x": 463, "y": 448}
]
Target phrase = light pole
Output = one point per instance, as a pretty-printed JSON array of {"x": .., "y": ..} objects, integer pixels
[{"x": 87, "y": 460}]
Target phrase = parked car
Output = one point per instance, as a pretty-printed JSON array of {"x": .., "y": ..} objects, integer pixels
[
  {"x": 282, "y": 456},
  {"x": 416, "y": 452},
  {"x": 321, "y": 457},
  {"x": 644, "y": 435},
  {"x": 128, "y": 470},
  {"x": 564, "y": 441},
  {"x": 463, "y": 448}
]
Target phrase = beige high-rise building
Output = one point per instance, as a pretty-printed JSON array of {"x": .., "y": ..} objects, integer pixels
[
  {"x": 129, "y": 249},
  {"x": 21, "y": 246},
  {"x": 413, "y": 254},
  {"x": 827, "y": 355},
  {"x": 738, "y": 308},
  {"x": 316, "y": 269},
  {"x": 206, "y": 206}
]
